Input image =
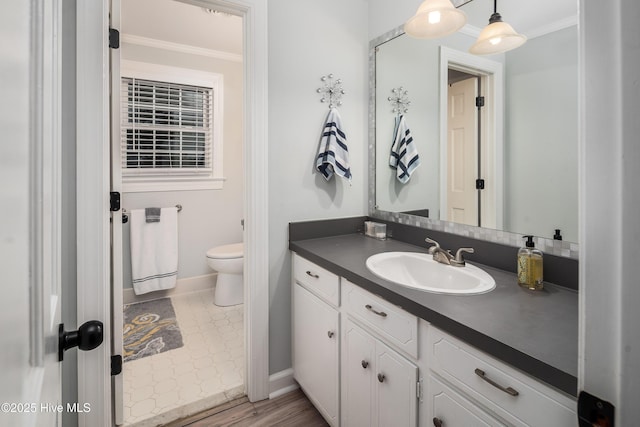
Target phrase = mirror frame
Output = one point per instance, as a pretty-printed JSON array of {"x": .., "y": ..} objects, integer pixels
[{"x": 554, "y": 247}]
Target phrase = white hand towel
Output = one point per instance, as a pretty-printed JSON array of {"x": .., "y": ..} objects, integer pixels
[
  {"x": 404, "y": 155},
  {"x": 154, "y": 251},
  {"x": 333, "y": 154}
]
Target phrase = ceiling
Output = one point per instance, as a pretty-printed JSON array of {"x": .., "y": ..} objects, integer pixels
[{"x": 177, "y": 22}]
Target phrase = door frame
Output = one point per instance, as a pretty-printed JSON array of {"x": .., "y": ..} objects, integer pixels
[
  {"x": 492, "y": 87},
  {"x": 93, "y": 186}
]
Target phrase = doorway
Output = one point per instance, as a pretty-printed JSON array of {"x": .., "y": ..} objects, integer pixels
[
  {"x": 177, "y": 140},
  {"x": 92, "y": 186},
  {"x": 471, "y": 144}
]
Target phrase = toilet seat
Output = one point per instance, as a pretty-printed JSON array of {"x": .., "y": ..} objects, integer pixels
[{"x": 234, "y": 250}]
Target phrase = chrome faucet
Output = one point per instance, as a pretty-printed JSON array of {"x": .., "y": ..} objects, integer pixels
[{"x": 445, "y": 257}]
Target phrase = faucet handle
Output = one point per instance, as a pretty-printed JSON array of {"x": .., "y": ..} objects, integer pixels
[
  {"x": 432, "y": 249},
  {"x": 459, "y": 259}
]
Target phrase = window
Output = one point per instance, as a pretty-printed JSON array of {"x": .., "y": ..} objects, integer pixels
[{"x": 170, "y": 128}]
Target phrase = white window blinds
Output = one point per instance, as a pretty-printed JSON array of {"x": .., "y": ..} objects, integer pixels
[{"x": 166, "y": 128}]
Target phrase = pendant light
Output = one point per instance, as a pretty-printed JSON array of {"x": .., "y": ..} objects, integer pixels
[
  {"x": 497, "y": 37},
  {"x": 435, "y": 18}
]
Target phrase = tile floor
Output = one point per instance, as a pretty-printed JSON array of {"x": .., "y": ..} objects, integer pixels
[{"x": 208, "y": 370}]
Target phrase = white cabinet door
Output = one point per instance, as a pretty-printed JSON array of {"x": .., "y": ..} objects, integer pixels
[
  {"x": 359, "y": 372},
  {"x": 316, "y": 351},
  {"x": 396, "y": 392},
  {"x": 451, "y": 409},
  {"x": 380, "y": 384}
]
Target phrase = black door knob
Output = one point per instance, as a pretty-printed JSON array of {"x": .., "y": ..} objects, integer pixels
[{"x": 88, "y": 337}]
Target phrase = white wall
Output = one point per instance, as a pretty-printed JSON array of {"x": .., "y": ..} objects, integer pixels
[
  {"x": 609, "y": 205},
  {"x": 309, "y": 39},
  {"x": 209, "y": 217}
]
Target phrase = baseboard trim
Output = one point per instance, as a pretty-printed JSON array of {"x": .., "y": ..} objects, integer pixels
[
  {"x": 281, "y": 383},
  {"x": 183, "y": 286}
]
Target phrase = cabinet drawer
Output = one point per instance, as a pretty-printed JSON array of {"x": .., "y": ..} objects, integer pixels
[
  {"x": 395, "y": 325},
  {"x": 321, "y": 282},
  {"x": 448, "y": 408},
  {"x": 514, "y": 396}
]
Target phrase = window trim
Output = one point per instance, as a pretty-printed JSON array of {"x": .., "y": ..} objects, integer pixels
[{"x": 150, "y": 181}]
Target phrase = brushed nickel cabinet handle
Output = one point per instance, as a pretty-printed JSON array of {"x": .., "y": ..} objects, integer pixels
[
  {"x": 330, "y": 334},
  {"x": 379, "y": 313},
  {"x": 437, "y": 422},
  {"x": 315, "y": 276},
  {"x": 381, "y": 378},
  {"x": 510, "y": 391},
  {"x": 365, "y": 364}
]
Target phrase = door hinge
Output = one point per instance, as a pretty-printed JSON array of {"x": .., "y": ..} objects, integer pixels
[
  {"x": 419, "y": 389},
  {"x": 116, "y": 365},
  {"x": 114, "y": 38},
  {"x": 114, "y": 201},
  {"x": 479, "y": 101},
  {"x": 479, "y": 184}
]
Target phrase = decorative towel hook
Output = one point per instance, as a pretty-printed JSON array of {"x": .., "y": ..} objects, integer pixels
[
  {"x": 399, "y": 100},
  {"x": 332, "y": 91}
]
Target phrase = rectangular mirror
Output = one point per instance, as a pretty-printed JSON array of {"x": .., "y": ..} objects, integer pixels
[{"x": 521, "y": 146}]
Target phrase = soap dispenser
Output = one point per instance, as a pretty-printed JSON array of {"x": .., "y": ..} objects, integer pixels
[{"x": 530, "y": 266}]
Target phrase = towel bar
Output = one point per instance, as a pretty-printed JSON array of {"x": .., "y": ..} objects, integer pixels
[{"x": 125, "y": 214}]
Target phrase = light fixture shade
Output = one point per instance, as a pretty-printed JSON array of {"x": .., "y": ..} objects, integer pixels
[
  {"x": 497, "y": 37},
  {"x": 435, "y": 18}
]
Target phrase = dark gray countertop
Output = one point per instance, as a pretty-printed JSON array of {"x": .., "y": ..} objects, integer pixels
[{"x": 536, "y": 332}]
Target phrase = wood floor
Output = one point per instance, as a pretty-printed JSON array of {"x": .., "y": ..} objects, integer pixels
[{"x": 290, "y": 410}]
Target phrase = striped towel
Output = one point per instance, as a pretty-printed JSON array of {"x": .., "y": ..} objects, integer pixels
[
  {"x": 333, "y": 154},
  {"x": 404, "y": 155}
]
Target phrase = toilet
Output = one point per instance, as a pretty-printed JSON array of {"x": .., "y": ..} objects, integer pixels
[{"x": 228, "y": 261}]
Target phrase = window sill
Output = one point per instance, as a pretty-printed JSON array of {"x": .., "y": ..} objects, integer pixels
[{"x": 138, "y": 185}]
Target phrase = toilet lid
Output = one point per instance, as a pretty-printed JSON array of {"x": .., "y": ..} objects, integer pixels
[{"x": 234, "y": 250}]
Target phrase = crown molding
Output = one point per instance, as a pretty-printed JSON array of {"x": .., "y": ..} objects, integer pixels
[{"x": 177, "y": 47}]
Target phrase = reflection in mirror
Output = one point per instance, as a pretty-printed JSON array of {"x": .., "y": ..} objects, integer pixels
[{"x": 522, "y": 144}]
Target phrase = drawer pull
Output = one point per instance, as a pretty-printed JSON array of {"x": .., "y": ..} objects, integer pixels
[
  {"x": 330, "y": 334},
  {"x": 437, "y": 422},
  {"x": 381, "y": 378},
  {"x": 365, "y": 364},
  {"x": 508, "y": 390},
  {"x": 379, "y": 313},
  {"x": 315, "y": 276}
]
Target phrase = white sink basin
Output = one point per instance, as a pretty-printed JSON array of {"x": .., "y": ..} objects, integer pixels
[{"x": 420, "y": 271}]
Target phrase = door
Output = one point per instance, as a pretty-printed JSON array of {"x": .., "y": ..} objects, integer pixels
[
  {"x": 358, "y": 370},
  {"x": 462, "y": 153},
  {"x": 117, "y": 316},
  {"x": 30, "y": 236},
  {"x": 397, "y": 379},
  {"x": 316, "y": 351}
]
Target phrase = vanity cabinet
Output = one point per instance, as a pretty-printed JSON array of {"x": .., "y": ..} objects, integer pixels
[
  {"x": 316, "y": 336},
  {"x": 363, "y": 361},
  {"x": 379, "y": 385}
]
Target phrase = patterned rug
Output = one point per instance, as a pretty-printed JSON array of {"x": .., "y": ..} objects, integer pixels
[{"x": 150, "y": 328}]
